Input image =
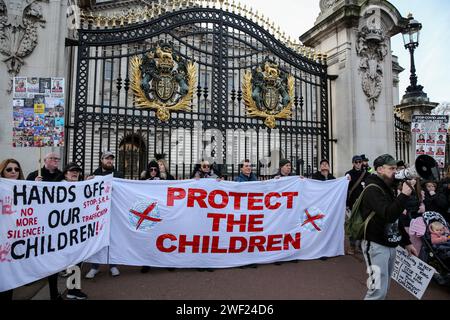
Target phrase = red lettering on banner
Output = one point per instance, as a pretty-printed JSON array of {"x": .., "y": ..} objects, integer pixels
[
  {"x": 212, "y": 200},
  {"x": 241, "y": 222},
  {"x": 216, "y": 220},
  {"x": 215, "y": 246},
  {"x": 234, "y": 242},
  {"x": 256, "y": 242},
  {"x": 267, "y": 201},
  {"x": 174, "y": 194},
  {"x": 205, "y": 244},
  {"x": 289, "y": 240},
  {"x": 255, "y": 219},
  {"x": 273, "y": 240},
  {"x": 26, "y": 222},
  {"x": 198, "y": 195},
  {"x": 160, "y": 242},
  {"x": 252, "y": 201},
  {"x": 290, "y": 196},
  {"x": 237, "y": 199},
  {"x": 195, "y": 243}
]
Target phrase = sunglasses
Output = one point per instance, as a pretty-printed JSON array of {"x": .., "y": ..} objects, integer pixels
[
  {"x": 205, "y": 166},
  {"x": 56, "y": 159},
  {"x": 358, "y": 162},
  {"x": 154, "y": 169},
  {"x": 11, "y": 169}
]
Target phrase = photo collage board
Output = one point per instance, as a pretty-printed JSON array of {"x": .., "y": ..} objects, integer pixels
[{"x": 38, "y": 112}]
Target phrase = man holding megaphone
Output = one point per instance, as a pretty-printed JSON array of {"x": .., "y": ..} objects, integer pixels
[{"x": 383, "y": 233}]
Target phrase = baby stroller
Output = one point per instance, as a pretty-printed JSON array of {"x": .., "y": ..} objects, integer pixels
[{"x": 431, "y": 254}]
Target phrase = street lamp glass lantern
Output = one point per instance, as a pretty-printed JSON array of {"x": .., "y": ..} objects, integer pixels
[{"x": 411, "y": 32}]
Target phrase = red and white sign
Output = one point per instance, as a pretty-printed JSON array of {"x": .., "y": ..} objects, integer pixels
[
  {"x": 46, "y": 227},
  {"x": 219, "y": 224}
]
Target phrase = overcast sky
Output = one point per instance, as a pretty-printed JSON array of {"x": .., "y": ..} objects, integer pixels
[{"x": 433, "y": 68}]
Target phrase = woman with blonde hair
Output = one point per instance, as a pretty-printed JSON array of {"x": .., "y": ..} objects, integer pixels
[{"x": 164, "y": 170}]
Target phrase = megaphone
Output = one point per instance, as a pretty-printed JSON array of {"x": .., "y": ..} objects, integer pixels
[{"x": 424, "y": 167}]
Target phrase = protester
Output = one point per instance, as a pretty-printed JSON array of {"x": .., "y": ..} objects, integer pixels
[
  {"x": 10, "y": 169},
  {"x": 246, "y": 173},
  {"x": 284, "y": 170},
  {"x": 152, "y": 173},
  {"x": 164, "y": 170},
  {"x": 324, "y": 173},
  {"x": 106, "y": 167},
  {"x": 73, "y": 173},
  {"x": 50, "y": 171},
  {"x": 357, "y": 176},
  {"x": 383, "y": 233},
  {"x": 434, "y": 200},
  {"x": 365, "y": 164},
  {"x": 204, "y": 170}
]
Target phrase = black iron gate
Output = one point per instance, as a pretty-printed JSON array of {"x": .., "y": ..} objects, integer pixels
[
  {"x": 223, "y": 45},
  {"x": 402, "y": 139}
]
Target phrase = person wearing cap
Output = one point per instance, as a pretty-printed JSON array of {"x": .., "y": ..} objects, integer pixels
[
  {"x": 50, "y": 171},
  {"x": 384, "y": 231},
  {"x": 365, "y": 164},
  {"x": 357, "y": 176},
  {"x": 285, "y": 169},
  {"x": 72, "y": 172},
  {"x": 324, "y": 173},
  {"x": 107, "y": 166}
]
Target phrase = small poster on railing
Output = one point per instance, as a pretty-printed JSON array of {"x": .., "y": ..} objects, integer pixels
[{"x": 429, "y": 133}]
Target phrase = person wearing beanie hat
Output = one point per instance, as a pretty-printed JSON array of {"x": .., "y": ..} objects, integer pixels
[
  {"x": 285, "y": 169},
  {"x": 324, "y": 173}
]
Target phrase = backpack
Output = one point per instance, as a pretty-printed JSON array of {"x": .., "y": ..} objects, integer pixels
[{"x": 356, "y": 226}]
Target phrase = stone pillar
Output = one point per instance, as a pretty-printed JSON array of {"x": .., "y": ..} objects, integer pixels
[
  {"x": 355, "y": 35},
  {"x": 32, "y": 34}
]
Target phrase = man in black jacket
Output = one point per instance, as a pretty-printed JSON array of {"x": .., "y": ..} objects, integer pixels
[
  {"x": 50, "y": 171},
  {"x": 107, "y": 166},
  {"x": 324, "y": 173},
  {"x": 383, "y": 233}
]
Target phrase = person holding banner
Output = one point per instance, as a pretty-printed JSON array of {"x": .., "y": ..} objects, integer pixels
[
  {"x": 382, "y": 209},
  {"x": 204, "y": 170},
  {"x": 106, "y": 168},
  {"x": 49, "y": 172},
  {"x": 285, "y": 169},
  {"x": 246, "y": 174},
  {"x": 72, "y": 173},
  {"x": 324, "y": 173},
  {"x": 9, "y": 169},
  {"x": 164, "y": 170},
  {"x": 152, "y": 173}
]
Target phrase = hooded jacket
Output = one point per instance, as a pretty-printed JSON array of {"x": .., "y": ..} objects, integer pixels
[{"x": 384, "y": 227}]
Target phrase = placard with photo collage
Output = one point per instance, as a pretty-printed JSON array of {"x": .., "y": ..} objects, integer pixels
[{"x": 38, "y": 112}]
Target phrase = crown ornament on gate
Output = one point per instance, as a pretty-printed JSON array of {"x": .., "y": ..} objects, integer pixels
[
  {"x": 268, "y": 93},
  {"x": 162, "y": 80}
]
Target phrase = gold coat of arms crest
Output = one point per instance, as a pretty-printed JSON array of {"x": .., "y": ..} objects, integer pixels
[
  {"x": 162, "y": 80},
  {"x": 268, "y": 93}
]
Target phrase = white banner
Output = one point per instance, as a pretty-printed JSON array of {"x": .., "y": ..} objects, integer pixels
[
  {"x": 46, "y": 227},
  {"x": 412, "y": 273},
  {"x": 209, "y": 223}
]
